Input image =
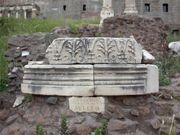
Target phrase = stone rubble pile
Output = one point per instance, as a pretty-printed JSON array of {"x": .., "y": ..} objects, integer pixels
[
  {"x": 125, "y": 115},
  {"x": 21, "y": 49},
  {"x": 150, "y": 33},
  {"x": 28, "y": 47}
]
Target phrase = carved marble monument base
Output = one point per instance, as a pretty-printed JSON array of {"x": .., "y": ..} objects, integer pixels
[
  {"x": 91, "y": 67},
  {"x": 90, "y": 80}
]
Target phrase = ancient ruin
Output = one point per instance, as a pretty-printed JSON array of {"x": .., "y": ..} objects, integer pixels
[
  {"x": 92, "y": 79},
  {"x": 167, "y": 10},
  {"x": 90, "y": 67},
  {"x": 106, "y": 11},
  {"x": 19, "y": 11}
]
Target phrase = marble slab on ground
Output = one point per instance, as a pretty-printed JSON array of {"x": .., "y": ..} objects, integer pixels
[{"x": 87, "y": 104}]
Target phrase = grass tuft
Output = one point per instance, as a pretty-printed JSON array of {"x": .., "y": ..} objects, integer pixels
[{"x": 168, "y": 66}]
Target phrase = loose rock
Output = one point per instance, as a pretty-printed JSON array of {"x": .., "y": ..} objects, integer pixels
[
  {"x": 155, "y": 123},
  {"x": 134, "y": 112},
  {"x": 51, "y": 100},
  {"x": 19, "y": 100}
]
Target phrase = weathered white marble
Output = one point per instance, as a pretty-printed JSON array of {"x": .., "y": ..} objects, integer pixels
[
  {"x": 17, "y": 14},
  {"x": 19, "y": 100},
  {"x": 152, "y": 79},
  {"x": 25, "y": 53},
  {"x": 91, "y": 67},
  {"x": 114, "y": 80},
  {"x": 89, "y": 80},
  {"x": 107, "y": 10},
  {"x": 34, "y": 12},
  {"x": 130, "y": 7},
  {"x": 87, "y": 104},
  {"x": 63, "y": 80},
  {"x": 94, "y": 50},
  {"x": 147, "y": 58},
  {"x": 8, "y": 14},
  {"x": 36, "y": 62},
  {"x": 175, "y": 47}
]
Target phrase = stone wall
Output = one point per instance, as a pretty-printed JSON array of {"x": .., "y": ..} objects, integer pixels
[
  {"x": 70, "y": 8},
  {"x": 156, "y": 9},
  {"x": 150, "y": 33},
  {"x": 91, "y": 8}
]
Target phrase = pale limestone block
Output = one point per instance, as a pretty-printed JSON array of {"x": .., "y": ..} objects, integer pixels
[
  {"x": 8, "y": 15},
  {"x": 147, "y": 58},
  {"x": 25, "y": 53},
  {"x": 130, "y": 7},
  {"x": 103, "y": 50},
  {"x": 36, "y": 62},
  {"x": 25, "y": 14},
  {"x": 107, "y": 3},
  {"x": 19, "y": 100},
  {"x": 57, "y": 90},
  {"x": 87, "y": 104},
  {"x": 129, "y": 79},
  {"x": 62, "y": 80},
  {"x": 152, "y": 79},
  {"x": 106, "y": 11},
  {"x": 17, "y": 14},
  {"x": 15, "y": 69},
  {"x": 34, "y": 13},
  {"x": 175, "y": 47},
  {"x": 11, "y": 8}
]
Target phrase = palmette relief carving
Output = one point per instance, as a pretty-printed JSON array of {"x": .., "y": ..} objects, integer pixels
[{"x": 94, "y": 50}]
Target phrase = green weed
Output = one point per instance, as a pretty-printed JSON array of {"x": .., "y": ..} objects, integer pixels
[
  {"x": 64, "y": 127},
  {"x": 28, "y": 98},
  {"x": 62, "y": 131},
  {"x": 101, "y": 130},
  {"x": 171, "y": 38},
  {"x": 168, "y": 66},
  {"x": 3, "y": 65},
  {"x": 41, "y": 131}
]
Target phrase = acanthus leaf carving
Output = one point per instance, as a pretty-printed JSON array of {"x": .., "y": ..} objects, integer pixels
[{"x": 93, "y": 50}]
